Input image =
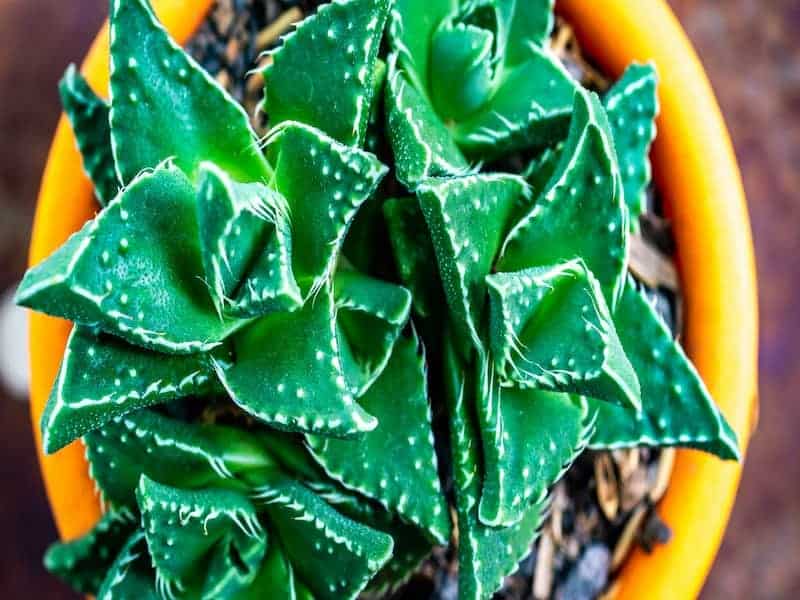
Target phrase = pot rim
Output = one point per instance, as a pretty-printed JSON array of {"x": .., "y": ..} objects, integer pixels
[{"x": 698, "y": 177}]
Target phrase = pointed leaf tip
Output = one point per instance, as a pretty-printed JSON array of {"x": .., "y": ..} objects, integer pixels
[
  {"x": 551, "y": 329},
  {"x": 161, "y": 100},
  {"x": 409, "y": 484},
  {"x": 88, "y": 115},
  {"x": 331, "y": 54}
]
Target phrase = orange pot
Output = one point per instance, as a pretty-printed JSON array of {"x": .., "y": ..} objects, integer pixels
[{"x": 696, "y": 174}]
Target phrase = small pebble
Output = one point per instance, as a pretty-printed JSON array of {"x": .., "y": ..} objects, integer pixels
[{"x": 588, "y": 576}]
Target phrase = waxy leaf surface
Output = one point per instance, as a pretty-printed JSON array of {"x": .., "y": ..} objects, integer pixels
[
  {"x": 83, "y": 562},
  {"x": 582, "y": 213},
  {"x": 102, "y": 377},
  {"x": 408, "y": 484},
  {"x": 549, "y": 328},
  {"x": 370, "y": 313},
  {"x": 208, "y": 541},
  {"x": 468, "y": 218},
  {"x": 413, "y": 252},
  {"x": 677, "y": 409},
  {"x": 165, "y": 106},
  {"x": 632, "y": 106},
  {"x": 322, "y": 74},
  {"x": 131, "y": 575},
  {"x": 324, "y": 183},
  {"x": 88, "y": 115},
  {"x": 135, "y": 271},
  {"x": 485, "y": 554},
  {"x": 288, "y": 373},
  {"x": 335, "y": 556},
  {"x": 530, "y": 437},
  {"x": 422, "y": 145},
  {"x": 172, "y": 452},
  {"x": 245, "y": 238}
]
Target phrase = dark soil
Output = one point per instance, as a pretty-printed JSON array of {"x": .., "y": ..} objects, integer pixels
[{"x": 605, "y": 504}]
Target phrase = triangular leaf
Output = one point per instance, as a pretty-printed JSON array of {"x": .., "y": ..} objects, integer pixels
[
  {"x": 409, "y": 483},
  {"x": 632, "y": 106},
  {"x": 172, "y": 452},
  {"x": 135, "y": 270},
  {"x": 209, "y": 540},
  {"x": 324, "y": 183},
  {"x": 462, "y": 69},
  {"x": 335, "y": 556},
  {"x": 88, "y": 115},
  {"x": 165, "y": 106},
  {"x": 245, "y": 240},
  {"x": 83, "y": 562},
  {"x": 550, "y": 328},
  {"x": 322, "y": 73},
  {"x": 102, "y": 377},
  {"x": 411, "y": 544},
  {"x": 131, "y": 575},
  {"x": 582, "y": 213},
  {"x": 530, "y": 438},
  {"x": 370, "y": 314},
  {"x": 677, "y": 409},
  {"x": 288, "y": 373},
  {"x": 421, "y": 143},
  {"x": 468, "y": 218}
]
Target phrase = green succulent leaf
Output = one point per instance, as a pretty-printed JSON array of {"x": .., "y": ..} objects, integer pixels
[
  {"x": 88, "y": 115},
  {"x": 677, "y": 409},
  {"x": 530, "y": 108},
  {"x": 411, "y": 547},
  {"x": 527, "y": 23},
  {"x": 102, "y": 377},
  {"x": 131, "y": 575},
  {"x": 541, "y": 168},
  {"x": 530, "y": 437},
  {"x": 288, "y": 372},
  {"x": 422, "y": 145},
  {"x": 549, "y": 328},
  {"x": 165, "y": 106},
  {"x": 632, "y": 106},
  {"x": 582, "y": 213},
  {"x": 411, "y": 29},
  {"x": 275, "y": 578},
  {"x": 413, "y": 252},
  {"x": 83, "y": 562},
  {"x": 135, "y": 271},
  {"x": 409, "y": 484},
  {"x": 461, "y": 69},
  {"x": 322, "y": 74},
  {"x": 324, "y": 183},
  {"x": 173, "y": 452},
  {"x": 485, "y": 554},
  {"x": 411, "y": 544},
  {"x": 468, "y": 218},
  {"x": 370, "y": 314},
  {"x": 332, "y": 554},
  {"x": 246, "y": 245},
  {"x": 208, "y": 541}
]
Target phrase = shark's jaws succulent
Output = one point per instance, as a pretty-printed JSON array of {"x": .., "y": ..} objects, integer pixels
[{"x": 253, "y": 396}]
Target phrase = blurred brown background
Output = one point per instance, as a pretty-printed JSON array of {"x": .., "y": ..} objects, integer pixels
[{"x": 751, "y": 49}]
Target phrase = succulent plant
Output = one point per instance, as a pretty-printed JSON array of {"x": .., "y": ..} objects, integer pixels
[{"x": 255, "y": 401}]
